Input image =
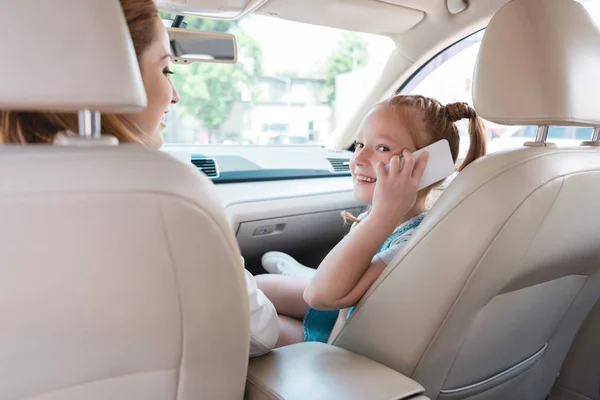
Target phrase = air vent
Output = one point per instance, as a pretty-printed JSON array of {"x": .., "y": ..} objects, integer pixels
[
  {"x": 207, "y": 165},
  {"x": 340, "y": 164}
]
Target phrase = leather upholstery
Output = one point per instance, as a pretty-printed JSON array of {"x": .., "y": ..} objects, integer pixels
[
  {"x": 495, "y": 282},
  {"x": 579, "y": 377},
  {"x": 59, "y": 58},
  {"x": 318, "y": 371},
  {"x": 121, "y": 278},
  {"x": 538, "y": 65},
  {"x": 486, "y": 299}
]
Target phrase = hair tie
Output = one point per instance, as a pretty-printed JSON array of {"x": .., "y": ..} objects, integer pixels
[{"x": 458, "y": 111}]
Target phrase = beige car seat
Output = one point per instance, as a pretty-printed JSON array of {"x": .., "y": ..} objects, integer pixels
[
  {"x": 579, "y": 377},
  {"x": 120, "y": 277},
  {"x": 488, "y": 296}
]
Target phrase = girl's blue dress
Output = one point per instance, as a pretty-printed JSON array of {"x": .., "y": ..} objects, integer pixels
[{"x": 317, "y": 324}]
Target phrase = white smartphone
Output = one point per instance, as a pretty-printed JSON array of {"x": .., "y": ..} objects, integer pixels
[{"x": 439, "y": 166}]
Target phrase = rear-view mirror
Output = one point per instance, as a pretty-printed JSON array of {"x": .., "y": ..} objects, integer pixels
[{"x": 189, "y": 46}]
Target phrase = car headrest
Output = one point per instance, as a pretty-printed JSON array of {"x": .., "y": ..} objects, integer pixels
[
  {"x": 539, "y": 64},
  {"x": 68, "y": 55}
]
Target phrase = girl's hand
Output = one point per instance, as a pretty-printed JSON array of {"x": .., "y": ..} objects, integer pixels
[
  {"x": 348, "y": 271},
  {"x": 396, "y": 191}
]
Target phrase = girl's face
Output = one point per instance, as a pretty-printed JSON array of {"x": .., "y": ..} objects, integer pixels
[{"x": 381, "y": 135}]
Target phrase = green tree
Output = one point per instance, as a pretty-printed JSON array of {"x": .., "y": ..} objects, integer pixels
[
  {"x": 209, "y": 90},
  {"x": 350, "y": 53}
]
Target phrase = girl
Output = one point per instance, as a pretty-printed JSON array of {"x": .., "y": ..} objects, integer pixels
[
  {"x": 151, "y": 44},
  {"x": 308, "y": 307}
]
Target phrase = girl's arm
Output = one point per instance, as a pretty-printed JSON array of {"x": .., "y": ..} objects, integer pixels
[{"x": 347, "y": 272}]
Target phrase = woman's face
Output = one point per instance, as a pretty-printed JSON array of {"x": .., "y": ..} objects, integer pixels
[
  {"x": 380, "y": 137},
  {"x": 154, "y": 65}
]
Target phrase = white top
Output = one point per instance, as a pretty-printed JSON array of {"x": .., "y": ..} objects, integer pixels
[{"x": 264, "y": 324}]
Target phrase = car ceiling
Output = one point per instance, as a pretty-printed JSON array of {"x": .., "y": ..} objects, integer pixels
[
  {"x": 385, "y": 17},
  {"x": 370, "y": 16}
]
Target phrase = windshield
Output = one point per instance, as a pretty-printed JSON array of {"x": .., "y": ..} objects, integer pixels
[{"x": 293, "y": 84}]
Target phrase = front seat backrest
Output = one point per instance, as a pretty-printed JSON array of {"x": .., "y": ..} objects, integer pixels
[
  {"x": 485, "y": 300},
  {"x": 579, "y": 377},
  {"x": 120, "y": 276}
]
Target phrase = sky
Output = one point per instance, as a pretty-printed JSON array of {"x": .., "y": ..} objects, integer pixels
[{"x": 294, "y": 46}]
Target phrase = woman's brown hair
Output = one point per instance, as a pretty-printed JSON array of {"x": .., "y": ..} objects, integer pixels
[
  {"x": 427, "y": 120},
  {"x": 42, "y": 127}
]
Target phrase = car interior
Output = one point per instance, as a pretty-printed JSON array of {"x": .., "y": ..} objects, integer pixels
[{"x": 123, "y": 277}]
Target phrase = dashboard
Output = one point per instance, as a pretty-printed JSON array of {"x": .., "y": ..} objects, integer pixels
[
  {"x": 232, "y": 164},
  {"x": 279, "y": 198}
]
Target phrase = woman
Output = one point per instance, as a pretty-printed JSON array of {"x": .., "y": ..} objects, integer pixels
[
  {"x": 152, "y": 47},
  {"x": 151, "y": 44}
]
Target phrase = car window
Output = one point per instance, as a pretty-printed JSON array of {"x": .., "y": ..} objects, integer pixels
[
  {"x": 583, "y": 133},
  {"x": 292, "y": 85},
  {"x": 578, "y": 134},
  {"x": 448, "y": 78},
  {"x": 528, "y": 132}
]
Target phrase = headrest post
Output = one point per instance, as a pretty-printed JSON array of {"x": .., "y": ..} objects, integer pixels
[
  {"x": 89, "y": 124},
  {"x": 542, "y": 134}
]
